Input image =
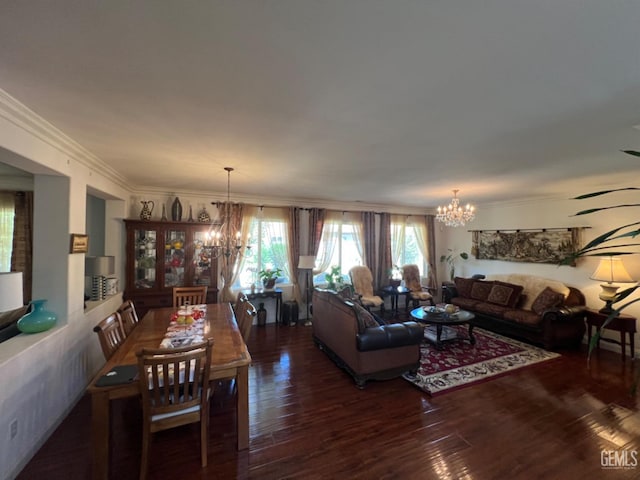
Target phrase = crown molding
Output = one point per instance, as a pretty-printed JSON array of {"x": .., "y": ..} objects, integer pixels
[{"x": 20, "y": 115}]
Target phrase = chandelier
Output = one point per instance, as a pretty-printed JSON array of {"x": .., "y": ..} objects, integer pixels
[
  {"x": 221, "y": 240},
  {"x": 453, "y": 215}
]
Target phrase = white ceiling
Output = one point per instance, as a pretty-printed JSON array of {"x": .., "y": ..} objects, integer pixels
[{"x": 379, "y": 101}]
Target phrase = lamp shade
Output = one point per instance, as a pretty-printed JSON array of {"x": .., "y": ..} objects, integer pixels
[
  {"x": 99, "y": 266},
  {"x": 10, "y": 291},
  {"x": 610, "y": 270},
  {"x": 306, "y": 262}
]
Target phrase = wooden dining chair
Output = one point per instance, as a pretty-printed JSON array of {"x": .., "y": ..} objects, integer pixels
[
  {"x": 175, "y": 391},
  {"x": 245, "y": 319},
  {"x": 110, "y": 333},
  {"x": 128, "y": 316},
  {"x": 189, "y": 295}
]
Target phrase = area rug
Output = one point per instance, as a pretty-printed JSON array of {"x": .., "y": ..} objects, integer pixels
[{"x": 459, "y": 364}]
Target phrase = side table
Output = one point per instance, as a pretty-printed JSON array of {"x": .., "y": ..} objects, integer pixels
[
  {"x": 623, "y": 324},
  {"x": 275, "y": 293},
  {"x": 394, "y": 293}
]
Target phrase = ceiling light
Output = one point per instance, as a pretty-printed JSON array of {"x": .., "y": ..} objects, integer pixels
[{"x": 453, "y": 215}]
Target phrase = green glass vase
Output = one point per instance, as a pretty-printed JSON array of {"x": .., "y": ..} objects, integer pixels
[{"x": 38, "y": 319}]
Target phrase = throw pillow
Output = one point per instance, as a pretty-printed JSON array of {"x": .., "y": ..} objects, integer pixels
[
  {"x": 480, "y": 290},
  {"x": 547, "y": 299},
  {"x": 516, "y": 292},
  {"x": 463, "y": 286},
  {"x": 365, "y": 318},
  {"x": 500, "y": 295}
]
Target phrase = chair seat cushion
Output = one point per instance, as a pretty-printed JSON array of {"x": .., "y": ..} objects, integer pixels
[
  {"x": 420, "y": 296},
  {"x": 373, "y": 301}
]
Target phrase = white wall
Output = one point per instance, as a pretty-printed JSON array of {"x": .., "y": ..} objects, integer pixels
[
  {"x": 44, "y": 374},
  {"x": 548, "y": 213}
]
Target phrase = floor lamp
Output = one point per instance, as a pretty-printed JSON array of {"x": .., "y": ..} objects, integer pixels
[{"x": 306, "y": 263}]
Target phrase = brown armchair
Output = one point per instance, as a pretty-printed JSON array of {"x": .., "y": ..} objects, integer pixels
[{"x": 417, "y": 292}]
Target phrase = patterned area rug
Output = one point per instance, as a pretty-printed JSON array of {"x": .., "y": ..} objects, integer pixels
[{"x": 460, "y": 364}]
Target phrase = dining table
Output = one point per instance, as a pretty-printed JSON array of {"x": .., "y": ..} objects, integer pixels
[{"x": 230, "y": 359}]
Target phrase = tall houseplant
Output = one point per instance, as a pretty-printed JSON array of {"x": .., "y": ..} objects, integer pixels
[
  {"x": 616, "y": 242},
  {"x": 451, "y": 259}
]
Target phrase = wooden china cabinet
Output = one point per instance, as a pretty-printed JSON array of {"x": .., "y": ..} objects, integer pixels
[{"x": 163, "y": 255}]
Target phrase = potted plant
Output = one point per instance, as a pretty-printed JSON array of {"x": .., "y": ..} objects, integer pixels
[
  {"x": 395, "y": 276},
  {"x": 621, "y": 240},
  {"x": 451, "y": 259},
  {"x": 269, "y": 277},
  {"x": 334, "y": 279}
]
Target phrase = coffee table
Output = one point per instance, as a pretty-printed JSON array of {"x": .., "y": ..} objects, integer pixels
[{"x": 443, "y": 323}]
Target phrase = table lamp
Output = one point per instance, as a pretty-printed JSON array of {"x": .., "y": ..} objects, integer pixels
[
  {"x": 610, "y": 270},
  {"x": 307, "y": 262},
  {"x": 98, "y": 268}
]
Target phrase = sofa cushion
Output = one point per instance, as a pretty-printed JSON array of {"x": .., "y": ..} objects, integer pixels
[
  {"x": 463, "y": 286},
  {"x": 505, "y": 294},
  {"x": 533, "y": 285},
  {"x": 365, "y": 318},
  {"x": 491, "y": 309},
  {"x": 480, "y": 290},
  {"x": 547, "y": 299},
  {"x": 465, "y": 303},
  {"x": 526, "y": 317}
]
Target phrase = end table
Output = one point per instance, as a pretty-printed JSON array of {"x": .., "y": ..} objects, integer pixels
[{"x": 623, "y": 324}]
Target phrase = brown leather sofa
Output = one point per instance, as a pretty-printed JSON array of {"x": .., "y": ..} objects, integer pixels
[
  {"x": 534, "y": 309},
  {"x": 363, "y": 347}
]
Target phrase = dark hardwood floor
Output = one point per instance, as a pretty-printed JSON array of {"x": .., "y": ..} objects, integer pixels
[{"x": 309, "y": 421}]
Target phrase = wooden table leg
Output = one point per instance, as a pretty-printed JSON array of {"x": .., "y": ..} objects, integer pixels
[
  {"x": 100, "y": 436},
  {"x": 242, "y": 407},
  {"x": 623, "y": 346}
]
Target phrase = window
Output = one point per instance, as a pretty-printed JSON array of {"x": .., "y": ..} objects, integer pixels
[
  {"x": 269, "y": 249},
  {"x": 405, "y": 245},
  {"x": 340, "y": 244},
  {"x": 7, "y": 210}
]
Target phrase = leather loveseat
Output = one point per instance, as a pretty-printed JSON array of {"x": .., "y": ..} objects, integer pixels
[
  {"x": 366, "y": 347},
  {"x": 530, "y": 308}
]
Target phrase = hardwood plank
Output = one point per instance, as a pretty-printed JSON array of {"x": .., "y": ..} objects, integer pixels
[{"x": 308, "y": 420}]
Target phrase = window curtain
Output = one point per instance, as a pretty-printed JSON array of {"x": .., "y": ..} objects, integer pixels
[
  {"x": 279, "y": 228},
  {"x": 293, "y": 229},
  {"x": 384, "y": 249},
  {"x": 356, "y": 221},
  {"x": 398, "y": 224},
  {"x": 250, "y": 214},
  {"x": 369, "y": 242},
  {"x": 316, "y": 225},
  {"x": 424, "y": 229},
  {"x": 7, "y": 215},
  {"x": 22, "y": 252},
  {"x": 328, "y": 240},
  {"x": 231, "y": 266}
]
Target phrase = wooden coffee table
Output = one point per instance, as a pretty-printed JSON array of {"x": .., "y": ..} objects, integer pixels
[{"x": 443, "y": 323}]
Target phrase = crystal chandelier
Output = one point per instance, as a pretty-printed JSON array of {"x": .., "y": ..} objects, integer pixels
[
  {"x": 453, "y": 215},
  {"x": 221, "y": 241}
]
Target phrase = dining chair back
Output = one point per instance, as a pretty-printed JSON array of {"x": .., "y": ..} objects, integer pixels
[
  {"x": 189, "y": 295},
  {"x": 110, "y": 333},
  {"x": 128, "y": 316},
  {"x": 175, "y": 391},
  {"x": 240, "y": 299},
  {"x": 245, "y": 317}
]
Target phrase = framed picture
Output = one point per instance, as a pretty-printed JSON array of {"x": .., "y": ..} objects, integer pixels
[{"x": 79, "y": 243}]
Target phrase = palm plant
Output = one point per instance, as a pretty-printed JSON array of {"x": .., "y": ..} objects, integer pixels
[{"x": 615, "y": 242}]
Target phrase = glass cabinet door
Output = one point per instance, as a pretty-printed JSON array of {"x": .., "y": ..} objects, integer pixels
[
  {"x": 145, "y": 258},
  {"x": 174, "y": 258},
  {"x": 201, "y": 260}
]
